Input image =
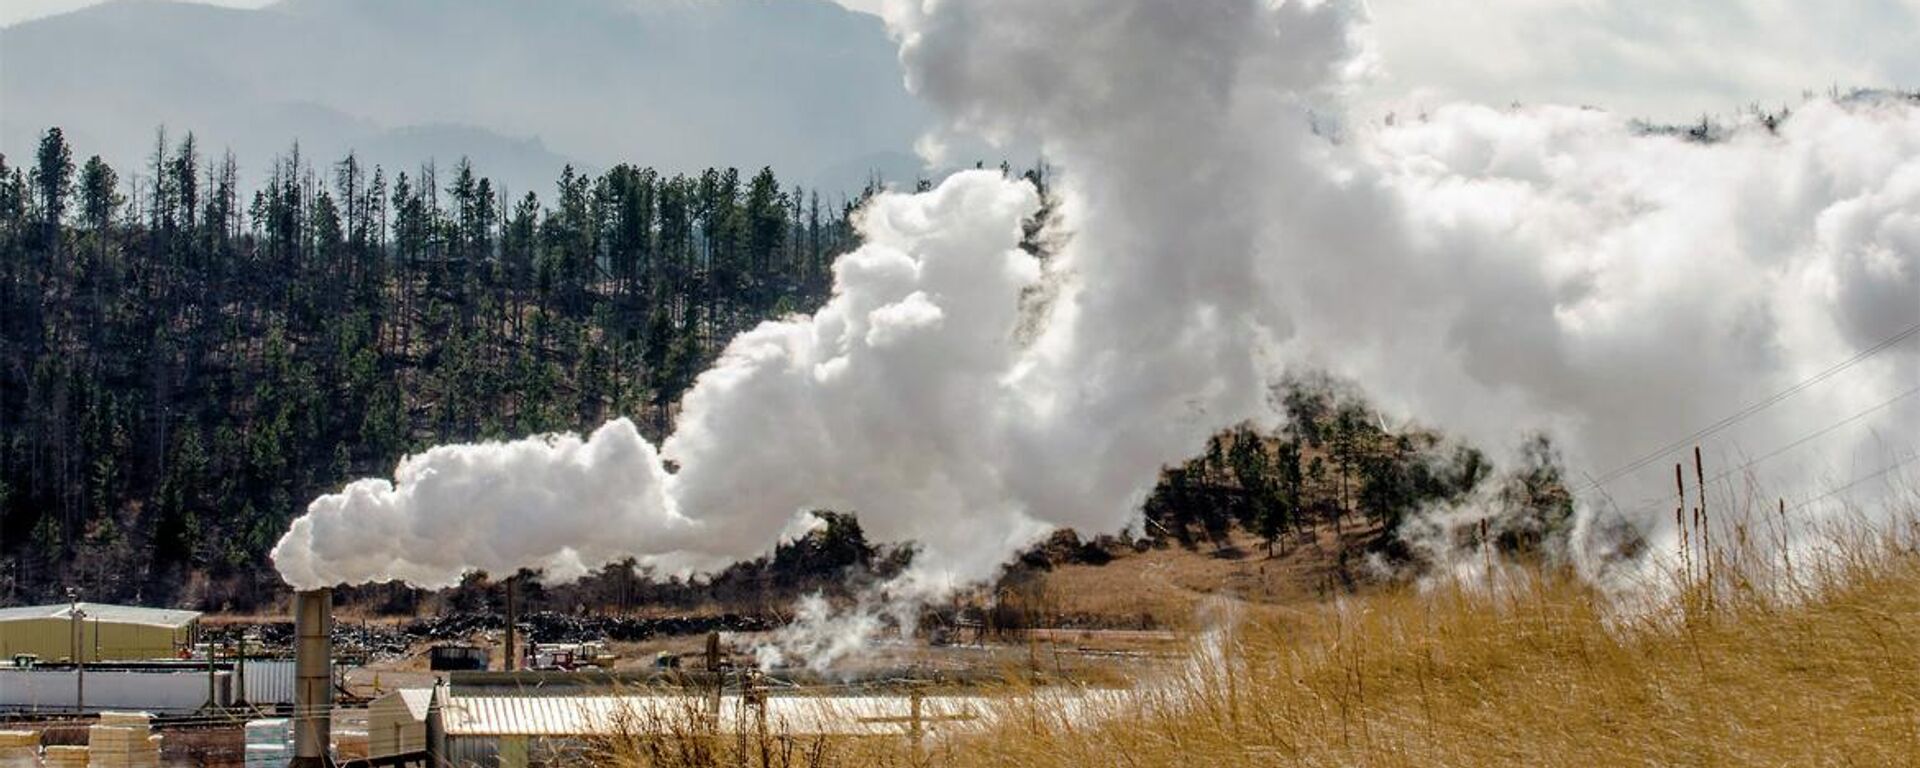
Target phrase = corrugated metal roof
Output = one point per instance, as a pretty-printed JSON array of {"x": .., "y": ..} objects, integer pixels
[
  {"x": 609, "y": 714},
  {"x": 103, "y": 612}
]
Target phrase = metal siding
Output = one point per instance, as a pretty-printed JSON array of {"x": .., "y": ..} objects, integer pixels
[
  {"x": 100, "y": 640},
  {"x": 472, "y": 751},
  {"x": 270, "y": 681},
  {"x": 488, "y": 751},
  {"x": 50, "y": 639},
  {"x": 794, "y": 715}
]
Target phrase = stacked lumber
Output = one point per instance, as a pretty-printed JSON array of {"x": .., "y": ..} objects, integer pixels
[
  {"x": 64, "y": 757},
  {"x": 19, "y": 749},
  {"x": 123, "y": 740}
]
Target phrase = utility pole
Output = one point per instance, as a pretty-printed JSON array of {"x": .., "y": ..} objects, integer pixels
[
  {"x": 213, "y": 698},
  {"x": 240, "y": 676},
  {"x": 512, "y": 616},
  {"x": 75, "y": 616}
]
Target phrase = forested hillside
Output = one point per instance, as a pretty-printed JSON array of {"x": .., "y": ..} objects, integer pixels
[{"x": 184, "y": 363}]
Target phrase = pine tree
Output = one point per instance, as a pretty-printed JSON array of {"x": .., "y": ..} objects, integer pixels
[{"x": 52, "y": 181}]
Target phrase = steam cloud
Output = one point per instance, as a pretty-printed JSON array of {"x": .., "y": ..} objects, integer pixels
[{"x": 1491, "y": 271}]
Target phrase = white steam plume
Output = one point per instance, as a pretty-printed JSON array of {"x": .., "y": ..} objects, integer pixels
[{"x": 1490, "y": 271}]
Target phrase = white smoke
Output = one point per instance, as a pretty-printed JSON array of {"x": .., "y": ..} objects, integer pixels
[
  {"x": 1626, "y": 290},
  {"x": 888, "y": 401},
  {"x": 556, "y": 503},
  {"x": 1489, "y": 271},
  {"x": 822, "y": 634}
]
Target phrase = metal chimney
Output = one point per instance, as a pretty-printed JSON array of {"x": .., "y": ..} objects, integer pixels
[{"x": 312, "y": 678}]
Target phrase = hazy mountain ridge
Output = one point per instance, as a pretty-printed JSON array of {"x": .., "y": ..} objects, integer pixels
[{"x": 797, "y": 84}]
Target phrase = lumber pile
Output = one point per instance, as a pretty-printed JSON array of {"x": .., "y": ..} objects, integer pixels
[
  {"x": 64, "y": 757},
  {"x": 19, "y": 749},
  {"x": 123, "y": 740}
]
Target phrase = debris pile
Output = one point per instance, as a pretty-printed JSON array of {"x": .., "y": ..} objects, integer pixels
[
  {"x": 552, "y": 627},
  {"x": 385, "y": 640}
]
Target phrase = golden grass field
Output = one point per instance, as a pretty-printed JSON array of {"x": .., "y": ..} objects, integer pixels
[{"x": 1809, "y": 660}]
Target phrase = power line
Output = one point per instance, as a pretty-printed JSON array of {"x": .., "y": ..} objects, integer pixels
[
  {"x": 1884, "y": 471},
  {"x": 1750, "y": 410},
  {"x": 1803, "y": 440},
  {"x": 1824, "y": 431}
]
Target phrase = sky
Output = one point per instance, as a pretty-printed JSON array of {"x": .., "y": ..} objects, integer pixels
[
  {"x": 15, "y": 11},
  {"x": 1663, "y": 59},
  {"x": 1667, "y": 60}
]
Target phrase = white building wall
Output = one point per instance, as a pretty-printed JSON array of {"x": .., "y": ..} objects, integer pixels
[{"x": 157, "y": 692}]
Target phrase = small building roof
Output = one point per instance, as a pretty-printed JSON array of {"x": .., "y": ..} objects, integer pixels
[
  {"x": 103, "y": 612},
  {"x": 416, "y": 702}
]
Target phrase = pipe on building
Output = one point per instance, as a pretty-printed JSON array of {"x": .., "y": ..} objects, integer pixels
[{"x": 313, "y": 678}]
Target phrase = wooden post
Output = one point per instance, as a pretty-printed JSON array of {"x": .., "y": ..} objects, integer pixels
[
  {"x": 714, "y": 676},
  {"x": 740, "y": 737},
  {"x": 1486, "y": 555},
  {"x": 913, "y": 704},
  {"x": 1786, "y": 542}
]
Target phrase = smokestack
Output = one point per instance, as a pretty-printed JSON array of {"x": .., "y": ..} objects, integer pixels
[
  {"x": 313, "y": 678},
  {"x": 436, "y": 725}
]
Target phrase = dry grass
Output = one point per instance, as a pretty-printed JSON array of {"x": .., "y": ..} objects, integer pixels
[
  {"x": 1161, "y": 587},
  {"x": 684, "y": 735},
  {"x": 1819, "y": 669}
]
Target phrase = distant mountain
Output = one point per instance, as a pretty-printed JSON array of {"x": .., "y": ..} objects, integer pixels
[{"x": 522, "y": 87}]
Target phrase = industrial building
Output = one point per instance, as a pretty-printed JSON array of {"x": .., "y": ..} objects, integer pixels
[
  {"x": 531, "y": 729},
  {"x": 526, "y": 719},
  {"x": 95, "y": 632}
]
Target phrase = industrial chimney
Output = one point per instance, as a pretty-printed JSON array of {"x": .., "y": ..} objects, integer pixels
[{"x": 313, "y": 678}]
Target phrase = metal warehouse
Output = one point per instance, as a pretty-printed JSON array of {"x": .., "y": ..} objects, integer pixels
[{"x": 95, "y": 632}]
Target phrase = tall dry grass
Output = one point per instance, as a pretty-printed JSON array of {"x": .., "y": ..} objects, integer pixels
[{"x": 1812, "y": 659}]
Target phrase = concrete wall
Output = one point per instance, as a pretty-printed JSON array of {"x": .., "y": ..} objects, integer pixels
[{"x": 157, "y": 692}]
